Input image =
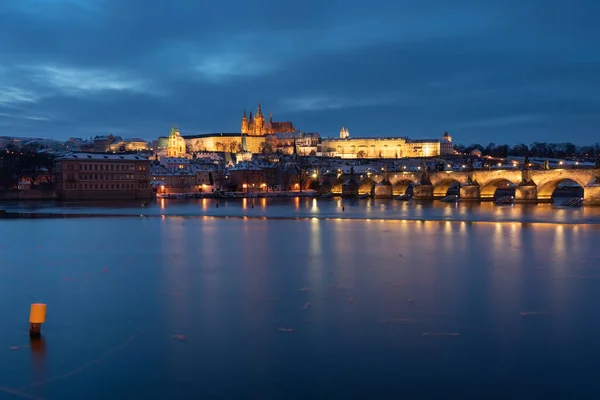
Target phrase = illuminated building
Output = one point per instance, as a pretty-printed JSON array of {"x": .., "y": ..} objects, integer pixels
[
  {"x": 176, "y": 146},
  {"x": 384, "y": 147},
  {"x": 102, "y": 176},
  {"x": 258, "y": 126},
  {"x": 103, "y": 144}
]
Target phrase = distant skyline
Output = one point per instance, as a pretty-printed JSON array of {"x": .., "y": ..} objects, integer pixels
[{"x": 486, "y": 71}]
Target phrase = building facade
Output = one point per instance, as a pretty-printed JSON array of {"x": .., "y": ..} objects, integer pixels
[
  {"x": 103, "y": 144},
  {"x": 176, "y": 146},
  {"x": 94, "y": 176},
  {"x": 386, "y": 147},
  {"x": 446, "y": 147},
  {"x": 224, "y": 142}
]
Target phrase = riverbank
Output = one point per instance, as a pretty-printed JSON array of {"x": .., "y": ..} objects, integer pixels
[
  {"x": 240, "y": 195},
  {"x": 29, "y": 194}
]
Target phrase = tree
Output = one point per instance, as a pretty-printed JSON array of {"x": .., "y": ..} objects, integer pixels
[
  {"x": 360, "y": 154},
  {"x": 234, "y": 147},
  {"x": 220, "y": 146},
  {"x": 521, "y": 150},
  {"x": 266, "y": 147}
]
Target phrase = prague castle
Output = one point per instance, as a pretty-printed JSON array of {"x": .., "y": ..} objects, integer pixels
[
  {"x": 257, "y": 126},
  {"x": 257, "y": 135},
  {"x": 384, "y": 147}
]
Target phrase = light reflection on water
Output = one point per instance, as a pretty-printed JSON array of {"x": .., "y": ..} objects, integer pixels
[
  {"x": 326, "y": 208},
  {"x": 228, "y": 285}
]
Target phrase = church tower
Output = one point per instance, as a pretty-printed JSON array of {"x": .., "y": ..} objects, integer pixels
[
  {"x": 176, "y": 146},
  {"x": 344, "y": 133},
  {"x": 244, "y": 123},
  {"x": 259, "y": 121}
]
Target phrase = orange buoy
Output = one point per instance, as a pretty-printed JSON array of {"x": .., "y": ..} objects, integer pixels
[{"x": 37, "y": 316}]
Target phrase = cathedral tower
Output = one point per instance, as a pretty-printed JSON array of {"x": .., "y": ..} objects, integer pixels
[
  {"x": 259, "y": 122},
  {"x": 244, "y": 123},
  {"x": 344, "y": 133}
]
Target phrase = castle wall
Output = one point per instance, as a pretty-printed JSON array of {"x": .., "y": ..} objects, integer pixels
[
  {"x": 225, "y": 143},
  {"x": 380, "y": 148}
]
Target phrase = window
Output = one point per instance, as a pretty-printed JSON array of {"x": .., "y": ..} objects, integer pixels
[
  {"x": 95, "y": 167},
  {"x": 96, "y": 186},
  {"x": 101, "y": 186}
]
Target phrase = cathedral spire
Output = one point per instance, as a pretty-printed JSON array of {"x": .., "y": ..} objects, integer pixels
[
  {"x": 244, "y": 113},
  {"x": 271, "y": 116},
  {"x": 259, "y": 111}
]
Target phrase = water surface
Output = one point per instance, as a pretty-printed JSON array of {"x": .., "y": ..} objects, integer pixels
[
  {"x": 123, "y": 292},
  {"x": 324, "y": 208}
]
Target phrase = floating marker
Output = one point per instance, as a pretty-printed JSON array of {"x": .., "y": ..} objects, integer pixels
[{"x": 37, "y": 316}]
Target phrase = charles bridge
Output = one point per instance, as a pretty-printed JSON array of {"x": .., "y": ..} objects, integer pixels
[{"x": 480, "y": 185}]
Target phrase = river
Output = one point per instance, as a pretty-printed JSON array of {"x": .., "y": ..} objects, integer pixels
[{"x": 299, "y": 299}]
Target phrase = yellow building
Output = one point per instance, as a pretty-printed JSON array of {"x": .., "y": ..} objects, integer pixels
[
  {"x": 176, "y": 146},
  {"x": 258, "y": 126},
  {"x": 230, "y": 142},
  {"x": 129, "y": 145},
  {"x": 389, "y": 147}
]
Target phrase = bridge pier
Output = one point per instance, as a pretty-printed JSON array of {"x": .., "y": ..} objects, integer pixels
[
  {"x": 591, "y": 195},
  {"x": 526, "y": 193},
  {"x": 399, "y": 189},
  {"x": 383, "y": 190},
  {"x": 423, "y": 192},
  {"x": 470, "y": 193}
]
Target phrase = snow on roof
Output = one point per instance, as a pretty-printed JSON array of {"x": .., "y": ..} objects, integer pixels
[
  {"x": 178, "y": 160},
  {"x": 102, "y": 156}
]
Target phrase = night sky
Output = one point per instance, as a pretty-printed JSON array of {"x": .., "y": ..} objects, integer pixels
[{"x": 487, "y": 71}]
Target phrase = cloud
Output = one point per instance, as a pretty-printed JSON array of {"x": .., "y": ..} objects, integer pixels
[
  {"x": 503, "y": 70},
  {"x": 79, "y": 80},
  {"x": 324, "y": 102},
  {"x": 12, "y": 94},
  {"x": 28, "y": 117}
]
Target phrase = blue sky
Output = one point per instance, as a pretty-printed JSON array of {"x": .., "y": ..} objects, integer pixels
[{"x": 487, "y": 71}]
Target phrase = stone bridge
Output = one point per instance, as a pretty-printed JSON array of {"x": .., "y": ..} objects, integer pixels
[{"x": 532, "y": 185}]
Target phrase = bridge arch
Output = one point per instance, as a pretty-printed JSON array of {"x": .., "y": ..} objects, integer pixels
[
  {"x": 488, "y": 191},
  {"x": 441, "y": 188},
  {"x": 401, "y": 187},
  {"x": 366, "y": 186},
  {"x": 336, "y": 186},
  {"x": 545, "y": 192}
]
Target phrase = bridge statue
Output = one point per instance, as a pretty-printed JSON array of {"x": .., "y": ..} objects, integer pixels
[{"x": 425, "y": 174}]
